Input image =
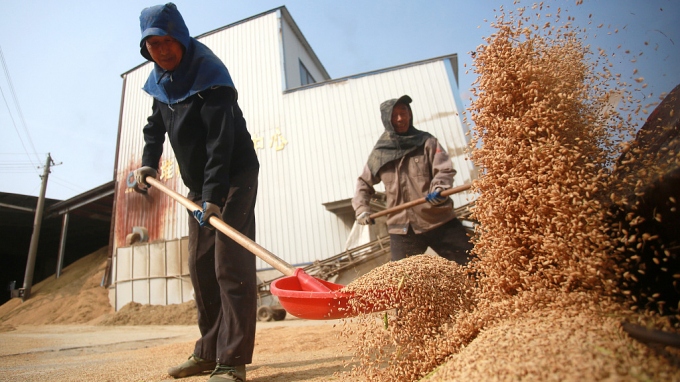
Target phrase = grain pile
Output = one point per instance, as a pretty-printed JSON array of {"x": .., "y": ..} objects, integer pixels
[
  {"x": 558, "y": 344},
  {"x": 77, "y": 297},
  {"x": 134, "y": 313},
  {"x": 545, "y": 136},
  {"x": 74, "y": 298},
  {"x": 423, "y": 293}
]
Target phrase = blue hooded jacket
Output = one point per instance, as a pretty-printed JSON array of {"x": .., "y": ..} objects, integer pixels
[{"x": 199, "y": 69}]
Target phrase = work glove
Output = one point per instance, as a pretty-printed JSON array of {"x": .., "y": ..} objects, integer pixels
[
  {"x": 140, "y": 178},
  {"x": 435, "y": 197},
  {"x": 209, "y": 209},
  {"x": 365, "y": 218}
]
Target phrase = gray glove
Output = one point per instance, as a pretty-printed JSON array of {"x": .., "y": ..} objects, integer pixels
[
  {"x": 203, "y": 217},
  {"x": 365, "y": 218},
  {"x": 140, "y": 177}
]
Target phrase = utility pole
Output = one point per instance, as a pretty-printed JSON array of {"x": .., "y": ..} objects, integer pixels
[{"x": 25, "y": 292}]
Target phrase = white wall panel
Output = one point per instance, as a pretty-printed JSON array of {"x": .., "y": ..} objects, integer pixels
[
  {"x": 152, "y": 273},
  {"x": 158, "y": 292}
]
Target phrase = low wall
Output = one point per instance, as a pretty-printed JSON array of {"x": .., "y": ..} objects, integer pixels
[{"x": 151, "y": 274}]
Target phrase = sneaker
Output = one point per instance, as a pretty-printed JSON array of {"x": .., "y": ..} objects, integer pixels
[
  {"x": 228, "y": 373},
  {"x": 194, "y": 365}
]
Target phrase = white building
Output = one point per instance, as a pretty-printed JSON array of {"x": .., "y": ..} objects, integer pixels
[{"x": 312, "y": 133}]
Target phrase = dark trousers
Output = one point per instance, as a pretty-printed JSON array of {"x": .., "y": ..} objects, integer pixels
[
  {"x": 223, "y": 276},
  {"x": 449, "y": 240}
]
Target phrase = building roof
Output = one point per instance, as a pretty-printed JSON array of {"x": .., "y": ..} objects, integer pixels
[
  {"x": 285, "y": 14},
  {"x": 88, "y": 230}
]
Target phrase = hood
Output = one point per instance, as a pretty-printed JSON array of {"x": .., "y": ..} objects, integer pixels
[
  {"x": 390, "y": 145},
  {"x": 386, "y": 112},
  {"x": 162, "y": 20},
  {"x": 199, "y": 69}
]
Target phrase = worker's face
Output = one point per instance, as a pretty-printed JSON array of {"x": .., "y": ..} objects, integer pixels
[
  {"x": 165, "y": 51},
  {"x": 401, "y": 118}
]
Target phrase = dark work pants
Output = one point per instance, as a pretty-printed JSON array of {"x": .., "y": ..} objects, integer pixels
[
  {"x": 223, "y": 276},
  {"x": 449, "y": 240}
]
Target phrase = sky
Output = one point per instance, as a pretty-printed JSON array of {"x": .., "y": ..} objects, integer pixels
[{"x": 62, "y": 62}]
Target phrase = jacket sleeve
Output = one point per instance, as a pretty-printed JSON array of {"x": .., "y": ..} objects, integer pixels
[
  {"x": 364, "y": 191},
  {"x": 219, "y": 115},
  {"x": 154, "y": 136},
  {"x": 442, "y": 168}
]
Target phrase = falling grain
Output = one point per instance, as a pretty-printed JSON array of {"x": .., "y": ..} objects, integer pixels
[{"x": 547, "y": 140}]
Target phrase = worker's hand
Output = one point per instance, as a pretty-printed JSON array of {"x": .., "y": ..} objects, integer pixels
[
  {"x": 203, "y": 217},
  {"x": 140, "y": 178},
  {"x": 365, "y": 218},
  {"x": 435, "y": 197}
]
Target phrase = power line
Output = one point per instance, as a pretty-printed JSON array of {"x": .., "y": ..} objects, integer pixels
[
  {"x": 10, "y": 165},
  {"x": 66, "y": 184},
  {"x": 17, "y": 167},
  {"x": 18, "y": 107}
]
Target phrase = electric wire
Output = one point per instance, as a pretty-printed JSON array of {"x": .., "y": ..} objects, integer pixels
[
  {"x": 66, "y": 184},
  {"x": 20, "y": 113}
]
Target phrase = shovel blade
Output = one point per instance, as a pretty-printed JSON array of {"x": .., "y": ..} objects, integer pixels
[{"x": 311, "y": 305}]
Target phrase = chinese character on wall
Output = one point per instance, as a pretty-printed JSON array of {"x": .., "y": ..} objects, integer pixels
[
  {"x": 167, "y": 169},
  {"x": 258, "y": 142},
  {"x": 277, "y": 141}
]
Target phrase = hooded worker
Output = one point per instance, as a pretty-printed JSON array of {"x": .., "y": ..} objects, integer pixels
[
  {"x": 412, "y": 164},
  {"x": 195, "y": 103}
]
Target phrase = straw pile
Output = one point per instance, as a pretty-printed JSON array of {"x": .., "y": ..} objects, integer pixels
[{"x": 545, "y": 138}]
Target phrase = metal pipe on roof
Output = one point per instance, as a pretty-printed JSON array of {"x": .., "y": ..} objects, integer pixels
[{"x": 17, "y": 207}]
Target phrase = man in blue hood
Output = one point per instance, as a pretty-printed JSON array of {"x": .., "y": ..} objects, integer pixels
[{"x": 195, "y": 104}]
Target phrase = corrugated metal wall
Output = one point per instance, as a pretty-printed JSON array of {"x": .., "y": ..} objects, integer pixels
[
  {"x": 330, "y": 130},
  {"x": 154, "y": 211},
  {"x": 312, "y": 142}
]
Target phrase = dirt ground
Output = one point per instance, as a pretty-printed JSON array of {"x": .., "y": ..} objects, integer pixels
[
  {"x": 289, "y": 350},
  {"x": 68, "y": 331}
]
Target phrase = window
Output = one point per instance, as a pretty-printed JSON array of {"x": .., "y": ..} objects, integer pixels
[{"x": 305, "y": 77}]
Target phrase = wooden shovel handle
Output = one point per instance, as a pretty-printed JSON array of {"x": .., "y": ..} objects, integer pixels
[
  {"x": 232, "y": 233},
  {"x": 450, "y": 191}
]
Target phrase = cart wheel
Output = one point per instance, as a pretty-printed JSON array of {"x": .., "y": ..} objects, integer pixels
[
  {"x": 279, "y": 314},
  {"x": 265, "y": 313}
]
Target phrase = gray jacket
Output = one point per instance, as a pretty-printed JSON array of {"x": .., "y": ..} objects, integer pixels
[{"x": 408, "y": 178}]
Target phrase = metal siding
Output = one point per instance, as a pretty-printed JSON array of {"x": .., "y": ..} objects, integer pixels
[
  {"x": 153, "y": 211},
  {"x": 294, "y": 53},
  {"x": 330, "y": 130}
]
